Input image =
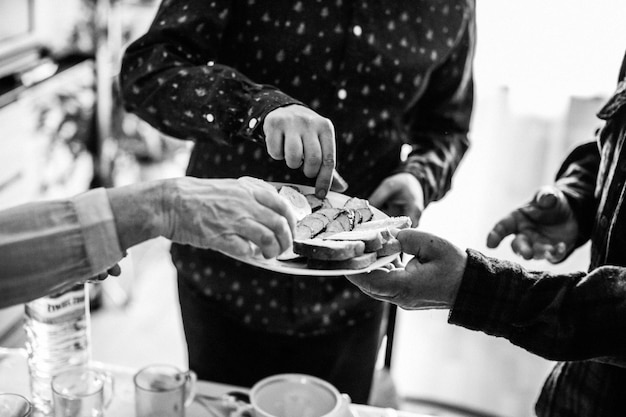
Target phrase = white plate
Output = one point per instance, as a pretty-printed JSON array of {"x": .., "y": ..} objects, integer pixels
[{"x": 298, "y": 266}]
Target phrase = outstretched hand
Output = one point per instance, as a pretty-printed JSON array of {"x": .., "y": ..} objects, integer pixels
[
  {"x": 227, "y": 214},
  {"x": 544, "y": 228},
  {"x": 430, "y": 280}
]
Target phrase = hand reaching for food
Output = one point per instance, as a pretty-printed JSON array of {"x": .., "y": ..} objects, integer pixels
[
  {"x": 227, "y": 214},
  {"x": 304, "y": 139},
  {"x": 400, "y": 195}
]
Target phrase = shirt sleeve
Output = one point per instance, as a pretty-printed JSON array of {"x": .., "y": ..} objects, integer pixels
[
  {"x": 441, "y": 119},
  {"x": 577, "y": 178},
  {"x": 50, "y": 245},
  {"x": 575, "y": 316},
  {"x": 175, "y": 62}
]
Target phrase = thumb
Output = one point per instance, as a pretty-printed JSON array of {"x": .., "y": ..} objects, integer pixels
[
  {"x": 545, "y": 198},
  {"x": 380, "y": 195},
  {"x": 420, "y": 244}
]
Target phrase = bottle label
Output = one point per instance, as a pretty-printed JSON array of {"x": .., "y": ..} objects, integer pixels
[{"x": 58, "y": 308}]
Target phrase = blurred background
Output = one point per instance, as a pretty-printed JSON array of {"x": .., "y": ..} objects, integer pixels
[{"x": 542, "y": 71}]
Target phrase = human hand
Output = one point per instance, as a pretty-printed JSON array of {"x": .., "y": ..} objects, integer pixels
[
  {"x": 544, "y": 228},
  {"x": 430, "y": 280},
  {"x": 400, "y": 195},
  {"x": 227, "y": 214},
  {"x": 302, "y": 138}
]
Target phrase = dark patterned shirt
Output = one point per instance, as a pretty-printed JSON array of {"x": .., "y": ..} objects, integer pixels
[
  {"x": 579, "y": 318},
  {"x": 387, "y": 74}
]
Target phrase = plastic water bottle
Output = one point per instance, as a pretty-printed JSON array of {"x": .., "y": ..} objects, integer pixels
[{"x": 57, "y": 338}]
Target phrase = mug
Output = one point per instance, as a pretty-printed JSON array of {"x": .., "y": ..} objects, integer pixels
[
  {"x": 296, "y": 395},
  {"x": 81, "y": 392},
  {"x": 14, "y": 405},
  {"x": 163, "y": 391}
]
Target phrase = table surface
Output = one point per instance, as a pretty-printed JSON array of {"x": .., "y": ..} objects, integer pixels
[{"x": 14, "y": 378}]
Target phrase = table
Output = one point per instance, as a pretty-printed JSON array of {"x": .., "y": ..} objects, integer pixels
[{"x": 14, "y": 378}]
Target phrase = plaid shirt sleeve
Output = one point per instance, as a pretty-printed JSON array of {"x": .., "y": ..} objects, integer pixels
[
  {"x": 573, "y": 316},
  {"x": 576, "y": 178}
]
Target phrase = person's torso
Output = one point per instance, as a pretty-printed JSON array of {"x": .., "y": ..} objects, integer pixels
[{"x": 363, "y": 65}]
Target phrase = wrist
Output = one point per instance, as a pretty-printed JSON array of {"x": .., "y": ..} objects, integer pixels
[{"x": 137, "y": 210}]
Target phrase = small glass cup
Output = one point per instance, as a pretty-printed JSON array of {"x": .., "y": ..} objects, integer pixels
[
  {"x": 82, "y": 392},
  {"x": 163, "y": 391},
  {"x": 14, "y": 405}
]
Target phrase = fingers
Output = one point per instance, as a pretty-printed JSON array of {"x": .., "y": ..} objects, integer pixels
[
  {"x": 522, "y": 246},
  {"x": 235, "y": 245},
  {"x": 326, "y": 136},
  {"x": 258, "y": 234},
  {"x": 115, "y": 270},
  {"x": 278, "y": 205},
  {"x": 294, "y": 149},
  {"x": 556, "y": 253},
  {"x": 302, "y": 137},
  {"x": 381, "y": 194},
  {"x": 416, "y": 243},
  {"x": 274, "y": 142},
  {"x": 381, "y": 285},
  {"x": 545, "y": 198},
  {"x": 312, "y": 154},
  {"x": 506, "y": 226}
]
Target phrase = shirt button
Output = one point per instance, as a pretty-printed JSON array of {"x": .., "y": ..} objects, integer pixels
[
  {"x": 357, "y": 30},
  {"x": 342, "y": 94}
]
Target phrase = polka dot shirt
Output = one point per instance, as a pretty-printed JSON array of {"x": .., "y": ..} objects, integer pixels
[{"x": 394, "y": 77}]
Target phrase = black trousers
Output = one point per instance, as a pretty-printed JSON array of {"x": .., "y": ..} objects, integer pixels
[{"x": 223, "y": 350}]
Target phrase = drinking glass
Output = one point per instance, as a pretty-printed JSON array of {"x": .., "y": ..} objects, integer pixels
[
  {"x": 81, "y": 392},
  {"x": 14, "y": 405},
  {"x": 163, "y": 391}
]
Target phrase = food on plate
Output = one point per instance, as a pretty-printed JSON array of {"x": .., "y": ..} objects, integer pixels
[
  {"x": 329, "y": 250},
  {"x": 391, "y": 223},
  {"x": 373, "y": 239},
  {"x": 295, "y": 199},
  {"x": 313, "y": 224},
  {"x": 344, "y": 237},
  {"x": 389, "y": 247},
  {"x": 317, "y": 203}
]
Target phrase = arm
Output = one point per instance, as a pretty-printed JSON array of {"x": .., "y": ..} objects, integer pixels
[
  {"x": 441, "y": 121},
  {"x": 48, "y": 246},
  {"x": 438, "y": 126},
  {"x": 171, "y": 78},
  {"x": 573, "y": 316},
  {"x": 559, "y": 217},
  {"x": 576, "y": 178}
]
